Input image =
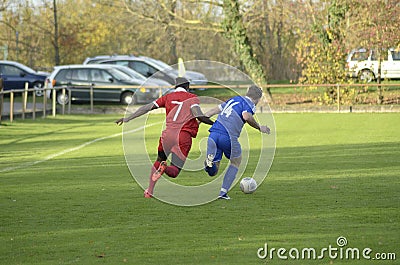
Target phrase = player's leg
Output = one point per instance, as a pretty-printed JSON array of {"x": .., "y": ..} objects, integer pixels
[
  {"x": 214, "y": 155},
  {"x": 235, "y": 157},
  {"x": 229, "y": 177},
  {"x": 157, "y": 170},
  {"x": 162, "y": 165},
  {"x": 179, "y": 154},
  {"x": 213, "y": 170},
  {"x": 174, "y": 169}
]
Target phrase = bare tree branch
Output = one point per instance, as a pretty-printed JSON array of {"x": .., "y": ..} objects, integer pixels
[{"x": 192, "y": 24}]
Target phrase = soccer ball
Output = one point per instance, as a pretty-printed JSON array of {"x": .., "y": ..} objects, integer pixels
[{"x": 248, "y": 185}]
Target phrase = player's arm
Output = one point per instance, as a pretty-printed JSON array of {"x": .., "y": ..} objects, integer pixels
[
  {"x": 214, "y": 111},
  {"x": 198, "y": 113},
  {"x": 249, "y": 118},
  {"x": 139, "y": 112}
]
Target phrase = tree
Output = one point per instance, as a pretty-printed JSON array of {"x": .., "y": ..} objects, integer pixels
[
  {"x": 269, "y": 39},
  {"x": 234, "y": 29},
  {"x": 60, "y": 32},
  {"x": 271, "y": 27},
  {"x": 375, "y": 25},
  {"x": 170, "y": 24},
  {"x": 56, "y": 35},
  {"x": 3, "y": 5},
  {"x": 321, "y": 50},
  {"x": 232, "y": 26}
]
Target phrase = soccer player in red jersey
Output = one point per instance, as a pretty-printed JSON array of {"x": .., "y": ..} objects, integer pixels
[{"x": 182, "y": 112}]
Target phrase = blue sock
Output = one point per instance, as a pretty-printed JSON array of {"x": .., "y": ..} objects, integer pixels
[{"x": 229, "y": 177}]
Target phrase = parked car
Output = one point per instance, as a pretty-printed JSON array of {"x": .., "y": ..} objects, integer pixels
[
  {"x": 15, "y": 75},
  {"x": 363, "y": 64},
  {"x": 152, "y": 85},
  {"x": 95, "y": 60},
  {"x": 115, "y": 84},
  {"x": 135, "y": 75},
  {"x": 149, "y": 67}
]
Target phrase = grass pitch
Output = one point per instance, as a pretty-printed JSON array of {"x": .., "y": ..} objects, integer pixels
[{"x": 67, "y": 197}]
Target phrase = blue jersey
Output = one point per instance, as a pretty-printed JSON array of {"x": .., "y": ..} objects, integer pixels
[{"x": 230, "y": 120}]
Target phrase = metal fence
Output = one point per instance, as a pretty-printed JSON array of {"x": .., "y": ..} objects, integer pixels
[
  {"x": 47, "y": 104},
  {"x": 8, "y": 107},
  {"x": 30, "y": 103}
]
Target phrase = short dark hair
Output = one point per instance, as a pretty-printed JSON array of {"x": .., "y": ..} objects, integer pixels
[
  {"x": 182, "y": 82},
  {"x": 254, "y": 92}
]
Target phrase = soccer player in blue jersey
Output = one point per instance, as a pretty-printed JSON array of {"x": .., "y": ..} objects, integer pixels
[{"x": 225, "y": 132}]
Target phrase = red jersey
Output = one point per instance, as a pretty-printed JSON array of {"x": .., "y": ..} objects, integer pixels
[{"x": 178, "y": 106}]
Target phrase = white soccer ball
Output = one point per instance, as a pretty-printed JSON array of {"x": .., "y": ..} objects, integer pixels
[{"x": 248, "y": 185}]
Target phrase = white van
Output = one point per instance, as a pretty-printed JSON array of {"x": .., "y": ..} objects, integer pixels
[{"x": 363, "y": 64}]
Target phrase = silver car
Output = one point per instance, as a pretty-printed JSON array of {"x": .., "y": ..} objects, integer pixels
[{"x": 149, "y": 67}]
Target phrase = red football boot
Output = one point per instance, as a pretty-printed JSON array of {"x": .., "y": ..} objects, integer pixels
[{"x": 159, "y": 171}]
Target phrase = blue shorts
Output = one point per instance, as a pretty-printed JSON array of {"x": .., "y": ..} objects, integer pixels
[{"x": 220, "y": 143}]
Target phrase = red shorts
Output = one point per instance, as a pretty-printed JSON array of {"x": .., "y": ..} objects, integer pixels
[{"x": 176, "y": 143}]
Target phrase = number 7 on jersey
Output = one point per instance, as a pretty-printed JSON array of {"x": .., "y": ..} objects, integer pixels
[{"x": 180, "y": 104}]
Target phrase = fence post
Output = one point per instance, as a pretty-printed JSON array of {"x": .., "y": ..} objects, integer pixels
[
  {"x": 34, "y": 104},
  {"x": 11, "y": 106},
  {"x": 91, "y": 98},
  {"x": 338, "y": 97},
  {"x": 69, "y": 101},
  {"x": 24, "y": 100},
  {"x": 53, "y": 102},
  {"x": 44, "y": 101},
  {"x": 63, "y": 105},
  {"x": 1, "y": 98}
]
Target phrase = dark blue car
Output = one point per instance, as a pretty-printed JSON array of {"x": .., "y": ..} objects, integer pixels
[{"x": 15, "y": 75}]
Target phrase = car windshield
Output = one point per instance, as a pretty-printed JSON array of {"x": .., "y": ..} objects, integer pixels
[
  {"x": 161, "y": 64},
  {"x": 360, "y": 55},
  {"x": 94, "y": 61},
  {"x": 132, "y": 73},
  {"x": 395, "y": 55},
  {"x": 119, "y": 75},
  {"x": 26, "y": 68},
  {"x": 383, "y": 55}
]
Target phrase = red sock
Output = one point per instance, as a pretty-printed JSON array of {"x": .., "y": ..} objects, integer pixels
[
  {"x": 151, "y": 182},
  {"x": 172, "y": 171},
  {"x": 156, "y": 165}
]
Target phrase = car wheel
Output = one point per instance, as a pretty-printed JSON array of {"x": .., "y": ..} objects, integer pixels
[
  {"x": 366, "y": 76},
  {"x": 128, "y": 98},
  {"x": 38, "y": 89},
  {"x": 62, "y": 99}
]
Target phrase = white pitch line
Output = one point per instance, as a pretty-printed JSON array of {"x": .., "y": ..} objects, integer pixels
[{"x": 28, "y": 164}]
